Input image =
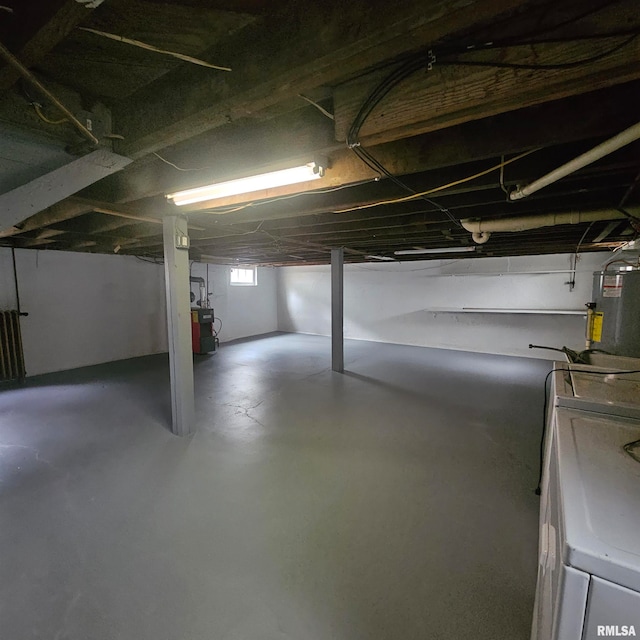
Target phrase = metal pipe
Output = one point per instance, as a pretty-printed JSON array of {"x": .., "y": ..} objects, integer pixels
[
  {"x": 609, "y": 146},
  {"x": 589, "y": 329},
  {"x": 15, "y": 279},
  {"x": 27, "y": 75},
  {"x": 203, "y": 291}
]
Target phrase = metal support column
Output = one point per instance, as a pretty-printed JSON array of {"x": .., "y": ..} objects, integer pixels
[
  {"x": 337, "y": 309},
  {"x": 176, "y": 273}
]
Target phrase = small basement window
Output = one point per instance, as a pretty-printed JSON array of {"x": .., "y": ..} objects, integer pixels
[{"x": 244, "y": 276}]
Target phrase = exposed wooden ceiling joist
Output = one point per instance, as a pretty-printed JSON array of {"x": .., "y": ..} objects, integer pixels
[
  {"x": 453, "y": 92},
  {"x": 536, "y": 127},
  {"x": 293, "y": 50},
  {"x": 432, "y": 130},
  {"x": 241, "y": 6},
  {"x": 225, "y": 153},
  {"x": 55, "y": 20},
  {"x": 112, "y": 70}
]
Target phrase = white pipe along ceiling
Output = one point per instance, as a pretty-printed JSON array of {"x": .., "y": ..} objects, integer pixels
[
  {"x": 481, "y": 230},
  {"x": 588, "y": 157}
]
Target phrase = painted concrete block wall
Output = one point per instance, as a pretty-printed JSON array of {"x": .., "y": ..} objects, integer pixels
[
  {"x": 410, "y": 303},
  {"x": 245, "y": 311},
  {"x": 85, "y": 309}
]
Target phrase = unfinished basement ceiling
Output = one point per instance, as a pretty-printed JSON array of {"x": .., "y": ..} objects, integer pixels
[{"x": 556, "y": 79}]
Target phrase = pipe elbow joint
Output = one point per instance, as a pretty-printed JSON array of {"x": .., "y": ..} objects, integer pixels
[{"x": 480, "y": 237}]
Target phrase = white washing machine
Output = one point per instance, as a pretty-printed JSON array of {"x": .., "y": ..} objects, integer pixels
[
  {"x": 590, "y": 388},
  {"x": 589, "y": 561},
  {"x": 595, "y": 388}
]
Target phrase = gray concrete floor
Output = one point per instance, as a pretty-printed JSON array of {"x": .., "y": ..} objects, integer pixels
[{"x": 392, "y": 502}]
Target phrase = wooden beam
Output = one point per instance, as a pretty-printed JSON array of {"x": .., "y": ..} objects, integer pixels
[
  {"x": 111, "y": 211},
  {"x": 31, "y": 79},
  {"x": 113, "y": 69},
  {"x": 233, "y": 151},
  {"x": 450, "y": 94},
  {"x": 130, "y": 212},
  {"x": 65, "y": 210},
  {"x": 241, "y": 6},
  {"x": 128, "y": 229},
  {"x": 84, "y": 244},
  {"x": 17, "y": 113},
  {"x": 74, "y": 206},
  {"x": 33, "y": 243},
  {"x": 610, "y": 181},
  {"x": 285, "y": 54},
  {"x": 44, "y": 237},
  {"x": 24, "y": 201},
  {"x": 222, "y": 154},
  {"x": 65, "y": 18},
  {"x": 104, "y": 224},
  {"x": 547, "y": 125}
]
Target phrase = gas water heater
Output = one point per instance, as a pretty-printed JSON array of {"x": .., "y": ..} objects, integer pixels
[{"x": 614, "y": 315}]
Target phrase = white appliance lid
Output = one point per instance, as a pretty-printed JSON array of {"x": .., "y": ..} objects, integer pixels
[
  {"x": 600, "y": 495},
  {"x": 606, "y": 388}
]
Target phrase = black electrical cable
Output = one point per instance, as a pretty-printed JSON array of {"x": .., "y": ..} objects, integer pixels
[
  {"x": 544, "y": 430},
  {"x": 509, "y": 44},
  {"x": 571, "y": 20},
  {"x": 399, "y": 74},
  {"x": 217, "y": 333},
  {"x": 390, "y": 81},
  {"x": 522, "y": 39},
  {"x": 631, "y": 447},
  {"x": 428, "y": 58},
  {"x": 369, "y": 160},
  {"x": 562, "y": 65},
  {"x": 425, "y": 58},
  {"x": 150, "y": 259},
  {"x": 538, "y": 490}
]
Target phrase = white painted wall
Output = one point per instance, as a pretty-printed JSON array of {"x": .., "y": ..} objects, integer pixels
[
  {"x": 403, "y": 302},
  {"x": 84, "y": 308},
  {"x": 87, "y": 309},
  {"x": 245, "y": 311}
]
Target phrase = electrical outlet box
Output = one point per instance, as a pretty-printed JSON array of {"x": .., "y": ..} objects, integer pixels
[{"x": 182, "y": 241}]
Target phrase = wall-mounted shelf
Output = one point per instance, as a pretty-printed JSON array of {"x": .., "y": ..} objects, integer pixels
[{"x": 539, "y": 312}]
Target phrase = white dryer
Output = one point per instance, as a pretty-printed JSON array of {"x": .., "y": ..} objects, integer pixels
[{"x": 589, "y": 562}]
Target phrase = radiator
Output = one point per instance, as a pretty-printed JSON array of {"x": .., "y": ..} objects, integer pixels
[{"x": 11, "y": 356}]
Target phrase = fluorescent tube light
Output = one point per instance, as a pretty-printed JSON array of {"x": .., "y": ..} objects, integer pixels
[
  {"x": 415, "y": 252},
  {"x": 295, "y": 175},
  {"x": 380, "y": 258}
]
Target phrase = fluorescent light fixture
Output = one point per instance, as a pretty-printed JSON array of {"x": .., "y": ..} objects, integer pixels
[
  {"x": 295, "y": 175},
  {"x": 415, "y": 252}
]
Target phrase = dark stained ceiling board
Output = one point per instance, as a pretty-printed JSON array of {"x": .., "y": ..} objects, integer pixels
[
  {"x": 114, "y": 70},
  {"x": 450, "y": 112}
]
